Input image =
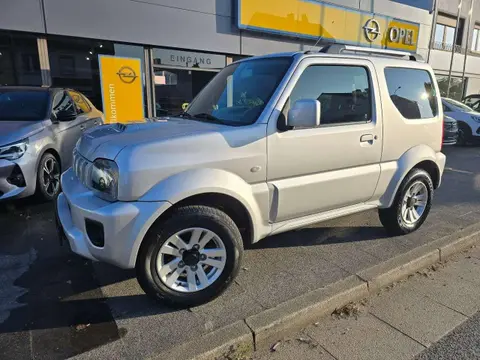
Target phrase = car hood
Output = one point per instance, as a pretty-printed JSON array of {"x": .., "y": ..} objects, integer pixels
[
  {"x": 12, "y": 131},
  {"x": 108, "y": 140}
]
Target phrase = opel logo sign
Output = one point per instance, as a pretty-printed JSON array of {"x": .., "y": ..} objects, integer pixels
[
  {"x": 127, "y": 74},
  {"x": 372, "y": 30}
]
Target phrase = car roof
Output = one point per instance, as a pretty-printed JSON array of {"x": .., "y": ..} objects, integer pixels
[
  {"x": 385, "y": 61},
  {"x": 472, "y": 96}
]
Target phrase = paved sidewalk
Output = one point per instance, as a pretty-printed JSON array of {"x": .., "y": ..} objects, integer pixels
[{"x": 400, "y": 322}]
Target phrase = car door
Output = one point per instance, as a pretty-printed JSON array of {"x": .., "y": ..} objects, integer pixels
[
  {"x": 67, "y": 129},
  {"x": 338, "y": 163},
  {"x": 89, "y": 118}
]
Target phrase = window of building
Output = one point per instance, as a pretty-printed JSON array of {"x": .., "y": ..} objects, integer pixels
[
  {"x": 74, "y": 63},
  {"x": 476, "y": 39},
  {"x": 412, "y": 92},
  {"x": 19, "y": 60},
  {"x": 445, "y": 33},
  {"x": 180, "y": 75},
  {"x": 343, "y": 91},
  {"x": 456, "y": 86}
]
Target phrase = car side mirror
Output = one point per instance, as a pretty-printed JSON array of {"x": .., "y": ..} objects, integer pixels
[
  {"x": 304, "y": 114},
  {"x": 65, "y": 115}
]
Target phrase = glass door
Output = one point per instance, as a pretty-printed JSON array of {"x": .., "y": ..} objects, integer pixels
[{"x": 176, "y": 88}]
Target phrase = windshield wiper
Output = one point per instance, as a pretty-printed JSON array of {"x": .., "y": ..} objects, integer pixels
[
  {"x": 209, "y": 117},
  {"x": 185, "y": 114}
]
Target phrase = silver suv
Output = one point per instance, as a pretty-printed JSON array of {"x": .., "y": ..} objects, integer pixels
[
  {"x": 271, "y": 144},
  {"x": 39, "y": 128}
]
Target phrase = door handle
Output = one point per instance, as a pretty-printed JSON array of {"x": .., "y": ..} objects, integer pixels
[
  {"x": 367, "y": 138},
  {"x": 82, "y": 127}
]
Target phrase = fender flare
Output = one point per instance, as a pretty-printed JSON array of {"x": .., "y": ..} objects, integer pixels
[
  {"x": 186, "y": 184},
  {"x": 409, "y": 160}
]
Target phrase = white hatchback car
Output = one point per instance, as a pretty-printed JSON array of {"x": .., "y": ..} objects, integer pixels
[{"x": 468, "y": 120}]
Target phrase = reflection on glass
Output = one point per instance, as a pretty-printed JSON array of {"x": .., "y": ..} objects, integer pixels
[
  {"x": 343, "y": 92},
  {"x": 449, "y": 35},
  {"x": 412, "y": 92},
  {"x": 19, "y": 60},
  {"x": 74, "y": 63},
  {"x": 240, "y": 92},
  {"x": 456, "y": 86},
  {"x": 439, "y": 31}
]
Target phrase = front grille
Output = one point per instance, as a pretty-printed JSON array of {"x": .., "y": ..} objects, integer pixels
[
  {"x": 81, "y": 167},
  {"x": 451, "y": 127}
]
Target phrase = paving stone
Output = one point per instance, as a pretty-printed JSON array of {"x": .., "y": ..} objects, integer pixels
[
  {"x": 414, "y": 314},
  {"x": 302, "y": 347},
  {"x": 365, "y": 338},
  {"x": 448, "y": 289}
]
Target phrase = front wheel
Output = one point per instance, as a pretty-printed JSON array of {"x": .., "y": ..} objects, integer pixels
[
  {"x": 411, "y": 205},
  {"x": 191, "y": 258},
  {"x": 48, "y": 177}
]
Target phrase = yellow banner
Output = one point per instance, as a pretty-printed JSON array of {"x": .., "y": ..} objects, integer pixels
[
  {"x": 122, "y": 88},
  {"x": 314, "y": 19}
]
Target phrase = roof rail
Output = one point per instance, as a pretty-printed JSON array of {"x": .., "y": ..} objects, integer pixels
[{"x": 341, "y": 48}]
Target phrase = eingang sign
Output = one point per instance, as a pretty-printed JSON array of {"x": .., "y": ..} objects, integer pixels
[
  {"x": 314, "y": 19},
  {"x": 122, "y": 88}
]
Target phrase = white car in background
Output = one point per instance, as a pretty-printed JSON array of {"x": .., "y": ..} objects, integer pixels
[{"x": 468, "y": 120}]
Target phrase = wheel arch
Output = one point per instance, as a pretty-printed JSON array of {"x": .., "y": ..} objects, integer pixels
[{"x": 419, "y": 157}]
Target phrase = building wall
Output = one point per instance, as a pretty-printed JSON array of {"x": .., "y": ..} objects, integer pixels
[
  {"x": 440, "y": 60},
  {"x": 190, "y": 24}
]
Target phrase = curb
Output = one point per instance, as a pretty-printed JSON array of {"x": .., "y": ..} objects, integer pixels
[{"x": 261, "y": 330}]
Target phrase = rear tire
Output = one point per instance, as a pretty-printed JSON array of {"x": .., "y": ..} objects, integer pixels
[
  {"x": 464, "y": 135},
  {"x": 411, "y": 205},
  {"x": 177, "y": 271}
]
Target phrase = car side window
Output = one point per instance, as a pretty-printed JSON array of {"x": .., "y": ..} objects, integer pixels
[
  {"x": 81, "y": 104},
  {"x": 62, "y": 102},
  {"x": 343, "y": 92},
  {"x": 412, "y": 92}
]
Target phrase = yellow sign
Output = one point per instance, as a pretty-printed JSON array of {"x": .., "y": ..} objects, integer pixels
[
  {"x": 122, "y": 88},
  {"x": 315, "y": 19}
]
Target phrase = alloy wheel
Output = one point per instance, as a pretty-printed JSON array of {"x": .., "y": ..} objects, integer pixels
[
  {"x": 191, "y": 260},
  {"x": 414, "y": 202},
  {"x": 51, "y": 177}
]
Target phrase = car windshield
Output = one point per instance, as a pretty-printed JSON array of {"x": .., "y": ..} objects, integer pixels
[
  {"x": 23, "y": 105},
  {"x": 457, "y": 104},
  {"x": 239, "y": 93}
]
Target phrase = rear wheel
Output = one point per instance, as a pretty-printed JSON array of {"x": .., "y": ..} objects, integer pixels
[
  {"x": 411, "y": 205},
  {"x": 48, "y": 177},
  {"x": 191, "y": 258}
]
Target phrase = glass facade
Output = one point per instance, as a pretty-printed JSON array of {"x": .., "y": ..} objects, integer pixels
[
  {"x": 19, "y": 60},
  {"x": 74, "y": 63},
  {"x": 456, "y": 86},
  {"x": 179, "y": 76}
]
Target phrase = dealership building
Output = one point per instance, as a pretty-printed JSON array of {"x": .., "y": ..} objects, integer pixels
[{"x": 181, "y": 44}]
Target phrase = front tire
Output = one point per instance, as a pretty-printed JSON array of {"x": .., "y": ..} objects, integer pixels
[
  {"x": 190, "y": 258},
  {"x": 411, "y": 205},
  {"x": 464, "y": 135},
  {"x": 48, "y": 178}
]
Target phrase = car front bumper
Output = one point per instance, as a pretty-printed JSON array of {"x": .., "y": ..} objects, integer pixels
[
  {"x": 124, "y": 224},
  {"x": 26, "y": 166}
]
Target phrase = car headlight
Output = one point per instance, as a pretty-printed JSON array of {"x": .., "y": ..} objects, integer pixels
[
  {"x": 14, "y": 151},
  {"x": 476, "y": 118},
  {"x": 104, "y": 179}
]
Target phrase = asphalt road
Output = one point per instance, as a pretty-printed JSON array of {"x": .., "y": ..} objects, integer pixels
[
  {"x": 55, "y": 305},
  {"x": 463, "y": 343}
]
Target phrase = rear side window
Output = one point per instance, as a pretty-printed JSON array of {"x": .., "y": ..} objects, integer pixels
[
  {"x": 412, "y": 91},
  {"x": 343, "y": 92}
]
